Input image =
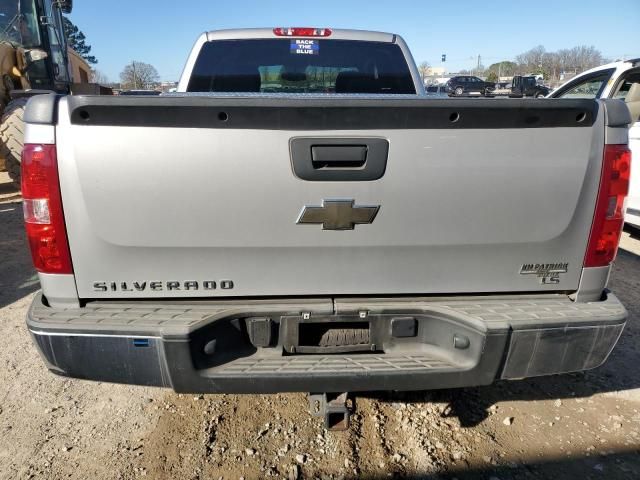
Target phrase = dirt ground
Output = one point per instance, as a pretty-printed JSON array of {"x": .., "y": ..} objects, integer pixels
[{"x": 584, "y": 426}]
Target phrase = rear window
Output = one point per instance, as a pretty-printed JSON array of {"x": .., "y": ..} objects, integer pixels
[{"x": 301, "y": 66}]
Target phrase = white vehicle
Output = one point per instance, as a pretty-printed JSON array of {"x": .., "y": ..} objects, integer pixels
[{"x": 619, "y": 80}]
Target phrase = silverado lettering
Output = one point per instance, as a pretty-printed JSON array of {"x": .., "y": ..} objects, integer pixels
[{"x": 161, "y": 286}]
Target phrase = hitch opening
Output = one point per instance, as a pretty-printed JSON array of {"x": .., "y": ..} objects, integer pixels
[{"x": 336, "y": 408}]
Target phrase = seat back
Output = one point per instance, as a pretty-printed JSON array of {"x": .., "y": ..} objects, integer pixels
[
  {"x": 356, "y": 82},
  {"x": 248, "y": 81},
  {"x": 633, "y": 102}
]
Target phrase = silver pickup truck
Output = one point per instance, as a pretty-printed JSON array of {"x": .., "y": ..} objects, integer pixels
[{"x": 300, "y": 217}]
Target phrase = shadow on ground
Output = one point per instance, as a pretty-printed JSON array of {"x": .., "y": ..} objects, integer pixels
[
  {"x": 471, "y": 405},
  {"x": 9, "y": 192},
  {"x": 17, "y": 276},
  {"x": 634, "y": 232},
  {"x": 624, "y": 465},
  {"x": 8, "y": 189}
]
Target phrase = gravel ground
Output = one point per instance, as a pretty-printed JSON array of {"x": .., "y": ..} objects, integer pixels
[{"x": 584, "y": 426}]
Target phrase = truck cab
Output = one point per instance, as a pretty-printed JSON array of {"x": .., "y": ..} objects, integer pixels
[{"x": 284, "y": 61}]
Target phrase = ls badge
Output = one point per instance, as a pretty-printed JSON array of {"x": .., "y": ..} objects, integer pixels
[{"x": 338, "y": 214}]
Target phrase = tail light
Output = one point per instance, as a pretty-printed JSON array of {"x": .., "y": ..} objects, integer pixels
[
  {"x": 302, "y": 32},
  {"x": 609, "y": 214},
  {"x": 42, "y": 207}
]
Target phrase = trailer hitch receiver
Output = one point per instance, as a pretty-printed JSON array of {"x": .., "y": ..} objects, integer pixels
[{"x": 336, "y": 408}]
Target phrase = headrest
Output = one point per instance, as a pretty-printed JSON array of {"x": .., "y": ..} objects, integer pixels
[
  {"x": 248, "y": 81},
  {"x": 356, "y": 82}
]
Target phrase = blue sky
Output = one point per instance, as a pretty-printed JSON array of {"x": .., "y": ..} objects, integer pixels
[{"x": 162, "y": 33}]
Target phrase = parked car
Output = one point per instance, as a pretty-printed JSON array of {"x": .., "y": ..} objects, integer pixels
[
  {"x": 231, "y": 240},
  {"x": 468, "y": 85},
  {"x": 619, "y": 80},
  {"x": 523, "y": 86}
]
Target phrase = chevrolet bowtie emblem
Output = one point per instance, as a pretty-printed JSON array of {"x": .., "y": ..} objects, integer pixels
[{"x": 338, "y": 214}]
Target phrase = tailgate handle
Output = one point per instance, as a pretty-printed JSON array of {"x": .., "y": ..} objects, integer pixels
[
  {"x": 338, "y": 156},
  {"x": 326, "y": 159}
]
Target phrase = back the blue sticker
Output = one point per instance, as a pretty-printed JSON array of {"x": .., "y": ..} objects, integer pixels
[{"x": 303, "y": 46}]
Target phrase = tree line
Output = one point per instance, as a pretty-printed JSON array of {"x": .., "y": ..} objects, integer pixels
[
  {"x": 139, "y": 76},
  {"x": 537, "y": 60},
  {"x": 549, "y": 64},
  {"x": 136, "y": 75},
  {"x": 76, "y": 39}
]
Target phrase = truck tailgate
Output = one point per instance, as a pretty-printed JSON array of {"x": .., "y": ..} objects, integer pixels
[{"x": 197, "y": 197}]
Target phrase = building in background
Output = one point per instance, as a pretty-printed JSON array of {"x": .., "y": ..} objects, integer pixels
[
  {"x": 168, "y": 86},
  {"x": 435, "y": 71}
]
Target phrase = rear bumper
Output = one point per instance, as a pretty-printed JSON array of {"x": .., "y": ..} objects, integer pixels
[{"x": 211, "y": 347}]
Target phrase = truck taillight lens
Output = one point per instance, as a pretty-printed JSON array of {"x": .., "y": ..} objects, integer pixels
[
  {"x": 609, "y": 214},
  {"x": 42, "y": 207},
  {"x": 301, "y": 32}
]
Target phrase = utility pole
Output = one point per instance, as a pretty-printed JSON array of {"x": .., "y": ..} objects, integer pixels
[
  {"x": 478, "y": 67},
  {"x": 135, "y": 77}
]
